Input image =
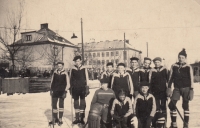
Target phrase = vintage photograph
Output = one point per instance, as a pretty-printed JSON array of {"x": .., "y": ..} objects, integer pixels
[{"x": 99, "y": 63}]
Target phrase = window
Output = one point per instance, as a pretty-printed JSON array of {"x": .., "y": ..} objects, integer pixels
[
  {"x": 90, "y": 62},
  {"x": 28, "y": 37},
  {"x": 85, "y": 54},
  {"x": 107, "y": 61},
  {"x": 125, "y": 55},
  {"x": 117, "y": 61},
  {"x": 103, "y": 62},
  {"x": 107, "y": 54},
  {"x": 103, "y": 54},
  {"x": 195, "y": 71},
  {"x": 98, "y": 54},
  {"x": 117, "y": 53},
  {"x": 112, "y": 61},
  {"x": 112, "y": 53},
  {"x": 94, "y": 54},
  {"x": 90, "y": 54},
  {"x": 94, "y": 62},
  {"x": 98, "y": 62}
]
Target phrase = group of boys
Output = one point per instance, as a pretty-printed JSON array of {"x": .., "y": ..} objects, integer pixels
[{"x": 131, "y": 92}]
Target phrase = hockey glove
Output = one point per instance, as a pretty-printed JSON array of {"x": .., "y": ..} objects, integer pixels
[
  {"x": 191, "y": 94},
  {"x": 87, "y": 91},
  {"x": 118, "y": 118},
  {"x": 169, "y": 92},
  {"x": 64, "y": 94},
  {"x": 149, "y": 120}
]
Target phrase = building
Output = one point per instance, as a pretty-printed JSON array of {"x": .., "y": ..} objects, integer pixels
[
  {"x": 41, "y": 49},
  {"x": 196, "y": 71},
  {"x": 97, "y": 54}
]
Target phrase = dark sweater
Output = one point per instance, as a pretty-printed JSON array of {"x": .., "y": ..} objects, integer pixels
[
  {"x": 122, "y": 81},
  {"x": 78, "y": 77},
  {"x": 181, "y": 76},
  {"x": 144, "y": 106},
  {"x": 144, "y": 74},
  {"x": 108, "y": 77},
  {"x": 122, "y": 109},
  {"x": 60, "y": 81},
  {"x": 158, "y": 78},
  {"x": 135, "y": 76}
]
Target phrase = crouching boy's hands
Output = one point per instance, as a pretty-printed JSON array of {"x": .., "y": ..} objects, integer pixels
[{"x": 149, "y": 120}]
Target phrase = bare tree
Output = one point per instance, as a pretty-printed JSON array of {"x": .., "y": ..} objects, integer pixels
[{"x": 8, "y": 36}]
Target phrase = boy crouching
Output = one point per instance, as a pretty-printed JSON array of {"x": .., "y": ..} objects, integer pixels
[{"x": 99, "y": 114}]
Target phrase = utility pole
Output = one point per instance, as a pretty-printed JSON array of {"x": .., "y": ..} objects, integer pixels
[
  {"x": 124, "y": 47},
  {"x": 147, "y": 50},
  {"x": 82, "y": 42}
]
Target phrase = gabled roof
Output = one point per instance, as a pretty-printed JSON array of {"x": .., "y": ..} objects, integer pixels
[
  {"x": 107, "y": 45},
  {"x": 47, "y": 36}
]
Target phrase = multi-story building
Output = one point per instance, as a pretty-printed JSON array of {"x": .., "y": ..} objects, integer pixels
[
  {"x": 97, "y": 54},
  {"x": 41, "y": 49}
]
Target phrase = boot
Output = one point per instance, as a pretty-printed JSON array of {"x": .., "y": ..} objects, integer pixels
[
  {"x": 82, "y": 121},
  {"x": 77, "y": 119},
  {"x": 185, "y": 125}
]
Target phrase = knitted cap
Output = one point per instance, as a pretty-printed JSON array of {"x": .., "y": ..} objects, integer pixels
[
  {"x": 109, "y": 64},
  {"x": 157, "y": 59},
  {"x": 121, "y": 64},
  {"x": 134, "y": 58},
  {"x": 76, "y": 58},
  {"x": 183, "y": 52},
  {"x": 144, "y": 83},
  {"x": 146, "y": 58},
  {"x": 60, "y": 62}
]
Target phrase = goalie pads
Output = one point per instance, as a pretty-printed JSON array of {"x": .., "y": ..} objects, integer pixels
[{"x": 95, "y": 115}]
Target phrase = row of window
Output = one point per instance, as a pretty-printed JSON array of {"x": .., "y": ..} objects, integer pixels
[
  {"x": 99, "y": 62},
  {"x": 103, "y": 54}
]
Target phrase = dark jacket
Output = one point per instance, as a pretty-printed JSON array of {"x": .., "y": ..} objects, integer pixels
[
  {"x": 158, "y": 78},
  {"x": 181, "y": 75},
  {"x": 135, "y": 76},
  {"x": 122, "y": 81},
  {"x": 108, "y": 77},
  {"x": 60, "y": 81},
  {"x": 144, "y": 74},
  {"x": 78, "y": 77}
]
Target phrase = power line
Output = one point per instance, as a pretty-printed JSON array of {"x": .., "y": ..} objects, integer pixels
[{"x": 145, "y": 28}]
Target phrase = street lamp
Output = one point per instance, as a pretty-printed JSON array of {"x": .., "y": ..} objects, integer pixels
[{"x": 74, "y": 36}]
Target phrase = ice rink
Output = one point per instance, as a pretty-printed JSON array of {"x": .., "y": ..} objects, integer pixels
[{"x": 34, "y": 110}]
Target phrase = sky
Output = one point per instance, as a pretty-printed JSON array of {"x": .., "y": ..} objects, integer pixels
[{"x": 167, "y": 25}]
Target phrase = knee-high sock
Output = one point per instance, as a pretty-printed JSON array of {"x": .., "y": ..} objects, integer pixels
[
  {"x": 55, "y": 113},
  {"x": 77, "y": 111},
  {"x": 82, "y": 108},
  {"x": 61, "y": 111},
  {"x": 186, "y": 115},
  {"x": 173, "y": 118}
]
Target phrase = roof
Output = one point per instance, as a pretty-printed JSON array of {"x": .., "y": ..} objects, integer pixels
[
  {"x": 47, "y": 36},
  {"x": 107, "y": 45},
  {"x": 196, "y": 64}
]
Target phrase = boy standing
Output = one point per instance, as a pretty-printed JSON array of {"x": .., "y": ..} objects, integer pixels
[
  {"x": 134, "y": 72},
  {"x": 100, "y": 107},
  {"x": 122, "y": 80},
  {"x": 108, "y": 74},
  {"x": 181, "y": 75},
  {"x": 144, "y": 71},
  {"x": 79, "y": 89},
  {"x": 158, "y": 78},
  {"x": 144, "y": 106},
  {"x": 59, "y": 86}
]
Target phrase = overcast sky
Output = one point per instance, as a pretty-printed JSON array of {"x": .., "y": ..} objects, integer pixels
[{"x": 167, "y": 25}]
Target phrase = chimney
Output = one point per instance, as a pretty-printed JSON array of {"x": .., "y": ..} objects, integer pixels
[{"x": 44, "y": 26}]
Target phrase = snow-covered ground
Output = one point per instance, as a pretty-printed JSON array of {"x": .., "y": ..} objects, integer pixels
[{"x": 34, "y": 110}]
